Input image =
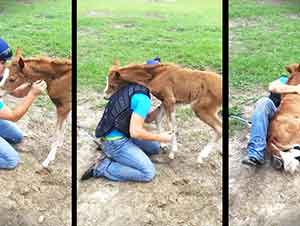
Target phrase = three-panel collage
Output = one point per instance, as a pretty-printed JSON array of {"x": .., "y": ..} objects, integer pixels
[{"x": 149, "y": 113}]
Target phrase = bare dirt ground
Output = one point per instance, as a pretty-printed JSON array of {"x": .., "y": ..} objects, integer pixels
[
  {"x": 262, "y": 196},
  {"x": 28, "y": 198},
  {"x": 182, "y": 193}
]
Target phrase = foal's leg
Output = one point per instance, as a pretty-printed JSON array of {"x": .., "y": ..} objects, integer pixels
[
  {"x": 209, "y": 115},
  {"x": 158, "y": 122},
  {"x": 169, "y": 105},
  {"x": 58, "y": 136},
  {"x": 159, "y": 117}
]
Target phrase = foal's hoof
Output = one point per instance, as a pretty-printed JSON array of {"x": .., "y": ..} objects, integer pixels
[
  {"x": 43, "y": 171},
  {"x": 171, "y": 156}
]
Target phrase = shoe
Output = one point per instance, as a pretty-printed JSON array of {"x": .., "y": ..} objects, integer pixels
[
  {"x": 251, "y": 161},
  {"x": 277, "y": 162},
  {"x": 90, "y": 171}
]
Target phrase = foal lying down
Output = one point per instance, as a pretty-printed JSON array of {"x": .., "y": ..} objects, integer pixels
[
  {"x": 57, "y": 74},
  {"x": 283, "y": 133},
  {"x": 173, "y": 85}
]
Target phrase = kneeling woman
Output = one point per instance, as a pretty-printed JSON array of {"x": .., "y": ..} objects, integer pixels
[
  {"x": 126, "y": 143},
  {"x": 9, "y": 132}
]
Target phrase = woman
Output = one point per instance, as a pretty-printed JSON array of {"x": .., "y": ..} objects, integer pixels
[{"x": 9, "y": 132}]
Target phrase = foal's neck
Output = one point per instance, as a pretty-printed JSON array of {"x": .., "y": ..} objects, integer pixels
[{"x": 43, "y": 70}]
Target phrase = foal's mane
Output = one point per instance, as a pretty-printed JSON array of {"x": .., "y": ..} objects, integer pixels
[
  {"x": 49, "y": 60},
  {"x": 150, "y": 66}
]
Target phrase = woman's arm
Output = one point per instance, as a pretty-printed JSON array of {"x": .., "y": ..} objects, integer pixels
[
  {"x": 17, "y": 113},
  {"x": 138, "y": 131},
  {"x": 22, "y": 90},
  {"x": 278, "y": 87}
]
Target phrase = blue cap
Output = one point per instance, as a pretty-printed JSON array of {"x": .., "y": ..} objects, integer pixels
[
  {"x": 5, "y": 51},
  {"x": 156, "y": 60}
]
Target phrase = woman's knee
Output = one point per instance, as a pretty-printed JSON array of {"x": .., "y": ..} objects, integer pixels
[
  {"x": 13, "y": 161},
  {"x": 149, "y": 173},
  {"x": 18, "y": 137},
  {"x": 155, "y": 148},
  {"x": 265, "y": 105}
]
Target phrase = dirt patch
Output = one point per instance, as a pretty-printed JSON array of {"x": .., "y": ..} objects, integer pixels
[
  {"x": 94, "y": 13},
  {"x": 25, "y": 1},
  {"x": 89, "y": 31},
  {"x": 182, "y": 193},
  {"x": 28, "y": 198},
  {"x": 294, "y": 16},
  {"x": 274, "y": 2},
  {"x": 155, "y": 15},
  {"x": 262, "y": 196},
  {"x": 243, "y": 22},
  {"x": 124, "y": 26}
]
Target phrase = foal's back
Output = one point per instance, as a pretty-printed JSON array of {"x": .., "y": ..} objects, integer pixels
[{"x": 187, "y": 85}]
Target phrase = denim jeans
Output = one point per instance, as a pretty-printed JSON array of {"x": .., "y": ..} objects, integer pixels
[
  {"x": 264, "y": 111},
  {"x": 9, "y": 133},
  {"x": 128, "y": 160}
]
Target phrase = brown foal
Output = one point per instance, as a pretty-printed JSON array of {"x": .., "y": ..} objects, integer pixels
[
  {"x": 173, "y": 85},
  {"x": 57, "y": 74},
  {"x": 284, "y": 130}
]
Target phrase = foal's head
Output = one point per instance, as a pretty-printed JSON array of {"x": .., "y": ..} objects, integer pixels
[
  {"x": 120, "y": 76},
  {"x": 113, "y": 80},
  {"x": 15, "y": 72}
]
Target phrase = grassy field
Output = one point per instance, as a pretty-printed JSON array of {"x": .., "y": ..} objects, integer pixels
[
  {"x": 184, "y": 32},
  {"x": 37, "y": 27},
  {"x": 27, "y": 25},
  {"x": 263, "y": 39}
]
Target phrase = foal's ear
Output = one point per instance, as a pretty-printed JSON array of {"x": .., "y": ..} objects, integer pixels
[
  {"x": 289, "y": 69},
  {"x": 21, "y": 63},
  {"x": 117, "y": 62},
  {"x": 298, "y": 68},
  {"x": 18, "y": 52}
]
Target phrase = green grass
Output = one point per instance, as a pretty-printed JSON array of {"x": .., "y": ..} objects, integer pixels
[
  {"x": 37, "y": 27},
  {"x": 264, "y": 38},
  {"x": 184, "y": 32}
]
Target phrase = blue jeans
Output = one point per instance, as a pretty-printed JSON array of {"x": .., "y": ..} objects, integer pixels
[
  {"x": 9, "y": 133},
  {"x": 127, "y": 160},
  {"x": 264, "y": 111}
]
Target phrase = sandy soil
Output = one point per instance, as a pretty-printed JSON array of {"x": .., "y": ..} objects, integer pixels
[
  {"x": 30, "y": 199},
  {"x": 260, "y": 196},
  {"x": 182, "y": 193}
]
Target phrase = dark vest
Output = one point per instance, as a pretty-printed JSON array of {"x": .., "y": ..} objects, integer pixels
[
  {"x": 276, "y": 98},
  {"x": 117, "y": 113}
]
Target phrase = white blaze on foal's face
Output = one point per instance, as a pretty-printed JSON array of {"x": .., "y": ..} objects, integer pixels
[{"x": 3, "y": 77}]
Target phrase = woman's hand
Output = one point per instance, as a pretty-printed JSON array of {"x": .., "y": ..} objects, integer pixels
[
  {"x": 38, "y": 87},
  {"x": 165, "y": 137}
]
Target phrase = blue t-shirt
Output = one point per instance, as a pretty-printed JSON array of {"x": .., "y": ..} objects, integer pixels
[
  {"x": 1, "y": 104},
  {"x": 283, "y": 79},
  {"x": 140, "y": 104},
  {"x": 276, "y": 97}
]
